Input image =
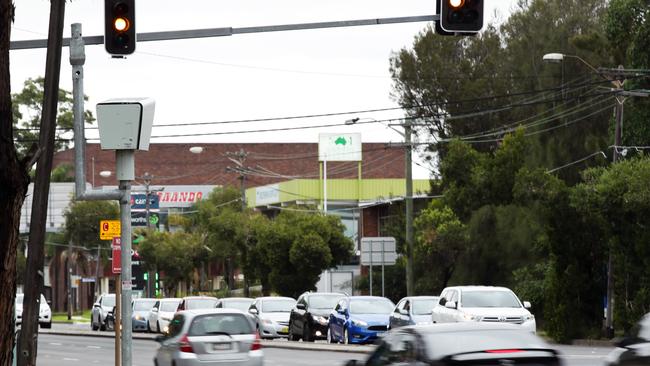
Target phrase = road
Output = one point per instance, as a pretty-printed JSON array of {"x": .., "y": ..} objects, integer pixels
[{"x": 57, "y": 350}]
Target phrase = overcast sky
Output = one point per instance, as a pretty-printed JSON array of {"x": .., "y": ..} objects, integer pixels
[{"x": 242, "y": 77}]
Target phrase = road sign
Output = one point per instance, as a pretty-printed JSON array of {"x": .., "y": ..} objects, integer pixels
[
  {"x": 139, "y": 202},
  {"x": 109, "y": 229},
  {"x": 378, "y": 251},
  {"x": 116, "y": 263}
]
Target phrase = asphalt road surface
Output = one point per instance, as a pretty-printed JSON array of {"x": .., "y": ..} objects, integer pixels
[{"x": 55, "y": 350}]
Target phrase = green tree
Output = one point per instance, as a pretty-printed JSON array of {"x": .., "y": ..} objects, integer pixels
[
  {"x": 82, "y": 222},
  {"x": 27, "y": 105},
  {"x": 297, "y": 247}
]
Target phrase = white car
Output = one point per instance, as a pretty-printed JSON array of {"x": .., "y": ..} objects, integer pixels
[
  {"x": 104, "y": 305},
  {"x": 44, "y": 312},
  {"x": 161, "y": 314},
  {"x": 271, "y": 316},
  {"x": 483, "y": 304}
]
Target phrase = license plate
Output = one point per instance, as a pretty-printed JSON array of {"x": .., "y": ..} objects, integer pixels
[
  {"x": 284, "y": 330},
  {"x": 221, "y": 346}
]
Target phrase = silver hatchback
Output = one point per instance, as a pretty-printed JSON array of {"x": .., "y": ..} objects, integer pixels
[{"x": 210, "y": 337}]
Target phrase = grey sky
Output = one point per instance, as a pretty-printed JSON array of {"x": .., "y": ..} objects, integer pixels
[{"x": 244, "y": 76}]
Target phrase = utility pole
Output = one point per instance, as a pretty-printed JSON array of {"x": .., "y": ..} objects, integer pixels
[
  {"x": 69, "y": 271},
  {"x": 147, "y": 184},
  {"x": 238, "y": 158},
  {"x": 27, "y": 350},
  {"x": 409, "y": 208}
]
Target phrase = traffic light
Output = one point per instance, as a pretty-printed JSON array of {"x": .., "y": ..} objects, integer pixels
[
  {"x": 119, "y": 27},
  {"x": 461, "y": 16}
]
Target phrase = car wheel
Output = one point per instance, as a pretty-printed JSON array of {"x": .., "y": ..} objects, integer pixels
[
  {"x": 158, "y": 327},
  {"x": 148, "y": 327},
  {"x": 346, "y": 336},
  {"x": 155, "y": 362},
  {"x": 102, "y": 326},
  {"x": 291, "y": 336},
  {"x": 306, "y": 333},
  {"x": 46, "y": 325},
  {"x": 92, "y": 323},
  {"x": 329, "y": 336}
]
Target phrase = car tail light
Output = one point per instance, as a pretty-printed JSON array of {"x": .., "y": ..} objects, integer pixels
[
  {"x": 184, "y": 345},
  {"x": 503, "y": 351},
  {"x": 257, "y": 343}
]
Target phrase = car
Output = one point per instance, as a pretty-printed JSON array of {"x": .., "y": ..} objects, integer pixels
[
  {"x": 310, "y": 317},
  {"x": 162, "y": 312},
  {"x": 359, "y": 319},
  {"x": 44, "y": 311},
  {"x": 634, "y": 349},
  {"x": 239, "y": 303},
  {"x": 271, "y": 315},
  {"x": 101, "y": 308},
  {"x": 209, "y": 337},
  {"x": 141, "y": 309},
  {"x": 197, "y": 302},
  {"x": 413, "y": 310},
  {"x": 483, "y": 304},
  {"x": 469, "y": 343}
]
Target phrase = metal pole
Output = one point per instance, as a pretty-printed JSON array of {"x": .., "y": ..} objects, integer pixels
[
  {"x": 69, "y": 270},
  {"x": 325, "y": 185},
  {"x": 382, "y": 268},
  {"x": 97, "y": 289},
  {"x": 125, "y": 173},
  {"x": 117, "y": 318},
  {"x": 147, "y": 208},
  {"x": 371, "y": 245},
  {"x": 409, "y": 210}
]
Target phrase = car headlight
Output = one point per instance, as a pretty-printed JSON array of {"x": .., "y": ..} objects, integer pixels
[
  {"x": 359, "y": 323},
  {"x": 471, "y": 318},
  {"x": 139, "y": 317},
  {"x": 529, "y": 317},
  {"x": 267, "y": 321},
  {"x": 320, "y": 319}
]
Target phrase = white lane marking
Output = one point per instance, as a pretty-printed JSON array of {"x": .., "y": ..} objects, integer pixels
[
  {"x": 94, "y": 347},
  {"x": 70, "y": 359},
  {"x": 56, "y": 344}
]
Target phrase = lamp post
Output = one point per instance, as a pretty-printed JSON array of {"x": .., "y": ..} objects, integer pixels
[{"x": 620, "y": 99}]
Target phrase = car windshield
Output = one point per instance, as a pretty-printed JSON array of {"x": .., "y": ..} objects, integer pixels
[
  {"x": 169, "y": 306},
  {"x": 324, "y": 301},
  {"x": 19, "y": 299},
  {"x": 220, "y": 323},
  {"x": 371, "y": 306},
  {"x": 108, "y": 301},
  {"x": 242, "y": 305},
  {"x": 277, "y": 306},
  {"x": 442, "y": 344},
  {"x": 423, "y": 306},
  {"x": 489, "y": 299},
  {"x": 191, "y": 304},
  {"x": 143, "y": 305}
]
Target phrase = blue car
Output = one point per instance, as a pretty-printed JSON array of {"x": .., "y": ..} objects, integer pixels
[
  {"x": 141, "y": 310},
  {"x": 359, "y": 319}
]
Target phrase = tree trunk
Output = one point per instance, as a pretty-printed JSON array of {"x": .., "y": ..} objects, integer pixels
[{"x": 13, "y": 188}]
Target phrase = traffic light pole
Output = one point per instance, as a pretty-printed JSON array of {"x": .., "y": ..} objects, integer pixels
[{"x": 125, "y": 173}]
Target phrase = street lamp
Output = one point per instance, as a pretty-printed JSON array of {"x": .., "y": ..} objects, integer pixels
[{"x": 618, "y": 131}]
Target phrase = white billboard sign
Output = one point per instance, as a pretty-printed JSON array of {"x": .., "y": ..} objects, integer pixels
[
  {"x": 267, "y": 195},
  {"x": 339, "y": 147},
  {"x": 378, "y": 251}
]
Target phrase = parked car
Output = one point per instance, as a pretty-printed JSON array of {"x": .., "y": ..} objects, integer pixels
[
  {"x": 470, "y": 343},
  {"x": 197, "y": 302},
  {"x": 208, "y": 337},
  {"x": 101, "y": 308},
  {"x": 239, "y": 303},
  {"x": 483, "y": 304},
  {"x": 141, "y": 310},
  {"x": 359, "y": 319},
  {"x": 271, "y": 315},
  {"x": 44, "y": 311},
  {"x": 309, "y": 318},
  {"x": 634, "y": 349},
  {"x": 161, "y": 313},
  {"x": 413, "y": 310}
]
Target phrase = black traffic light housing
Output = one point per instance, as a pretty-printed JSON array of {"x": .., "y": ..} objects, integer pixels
[
  {"x": 460, "y": 16},
  {"x": 119, "y": 27}
]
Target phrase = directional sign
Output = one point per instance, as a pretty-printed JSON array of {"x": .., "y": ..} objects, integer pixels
[{"x": 108, "y": 229}]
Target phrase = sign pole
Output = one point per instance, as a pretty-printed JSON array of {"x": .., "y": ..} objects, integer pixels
[
  {"x": 371, "y": 268},
  {"x": 382, "y": 267},
  {"x": 117, "y": 318}
]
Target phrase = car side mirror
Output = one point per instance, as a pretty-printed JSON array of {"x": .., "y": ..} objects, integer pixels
[
  {"x": 96, "y": 305},
  {"x": 160, "y": 338},
  {"x": 527, "y": 305},
  {"x": 404, "y": 312},
  {"x": 341, "y": 310},
  {"x": 154, "y": 310},
  {"x": 253, "y": 311},
  {"x": 300, "y": 306},
  {"x": 451, "y": 305}
]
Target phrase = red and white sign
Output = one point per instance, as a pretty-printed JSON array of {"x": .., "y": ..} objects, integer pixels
[{"x": 117, "y": 255}]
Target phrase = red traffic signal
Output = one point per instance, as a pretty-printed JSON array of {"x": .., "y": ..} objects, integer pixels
[
  {"x": 461, "y": 16},
  {"x": 119, "y": 26}
]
